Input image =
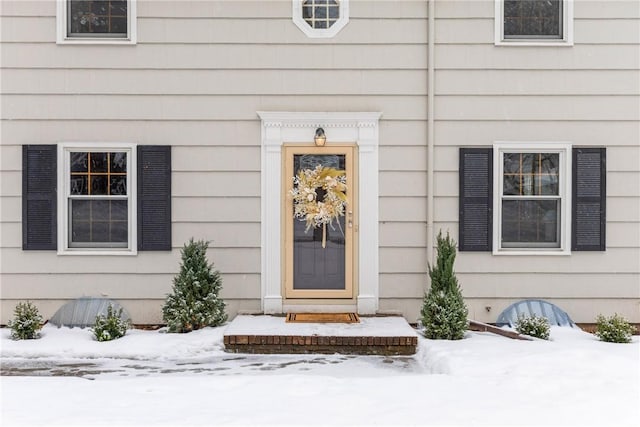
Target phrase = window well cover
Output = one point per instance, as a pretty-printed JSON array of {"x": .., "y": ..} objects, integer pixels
[
  {"x": 82, "y": 312},
  {"x": 529, "y": 307}
]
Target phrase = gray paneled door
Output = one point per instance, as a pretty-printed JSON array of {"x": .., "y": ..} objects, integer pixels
[{"x": 319, "y": 260}]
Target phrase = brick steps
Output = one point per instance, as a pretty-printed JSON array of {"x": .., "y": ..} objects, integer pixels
[
  {"x": 300, "y": 344},
  {"x": 273, "y": 335}
]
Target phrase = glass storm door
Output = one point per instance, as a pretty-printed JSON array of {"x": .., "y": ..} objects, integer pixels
[{"x": 319, "y": 258}]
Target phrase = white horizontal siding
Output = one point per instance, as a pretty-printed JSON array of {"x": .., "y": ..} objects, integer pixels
[
  {"x": 115, "y": 285},
  {"x": 403, "y": 234},
  {"x": 578, "y": 57},
  {"x": 211, "y": 132},
  {"x": 582, "y": 133},
  {"x": 538, "y": 82},
  {"x": 205, "y": 107},
  {"x": 517, "y": 107},
  {"x": 403, "y": 209},
  {"x": 216, "y": 209},
  {"x": 216, "y": 56},
  {"x": 227, "y": 260},
  {"x": 213, "y": 82}
]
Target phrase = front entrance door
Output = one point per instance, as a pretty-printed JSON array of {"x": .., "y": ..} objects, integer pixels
[{"x": 320, "y": 221}]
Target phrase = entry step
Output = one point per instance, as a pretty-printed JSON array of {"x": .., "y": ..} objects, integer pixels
[{"x": 273, "y": 335}]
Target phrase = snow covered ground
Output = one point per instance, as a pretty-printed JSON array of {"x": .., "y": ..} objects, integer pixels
[{"x": 155, "y": 378}]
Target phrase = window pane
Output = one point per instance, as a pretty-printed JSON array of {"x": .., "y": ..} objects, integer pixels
[
  {"x": 532, "y": 18},
  {"x": 87, "y": 17},
  {"x": 511, "y": 185},
  {"x": 98, "y": 223},
  {"x": 79, "y": 162},
  {"x": 118, "y": 162},
  {"x": 99, "y": 185},
  {"x": 78, "y": 185},
  {"x": 320, "y": 14},
  {"x": 98, "y": 174},
  {"x": 530, "y": 223},
  {"x": 118, "y": 185},
  {"x": 98, "y": 162},
  {"x": 531, "y": 174}
]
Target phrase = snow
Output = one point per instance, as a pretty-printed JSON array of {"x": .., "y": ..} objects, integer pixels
[
  {"x": 368, "y": 326},
  {"x": 155, "y": 378}
]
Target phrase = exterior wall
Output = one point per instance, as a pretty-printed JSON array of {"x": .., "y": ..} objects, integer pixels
[
  {"x": 194, "y": 80},
  {"x": 586, "y": 94},
  {"x": 201, "y": 69}
]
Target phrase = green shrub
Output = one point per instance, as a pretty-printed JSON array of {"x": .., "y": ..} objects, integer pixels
[
  {"x": 444, "y": 313},
  {"x": 533, "y": 326},
  {"x": 111, "y": 326},
  {"x": 614, "y": 329},
  {"x": 26, "y": 323},
  {"x": 194, "y": 302}
]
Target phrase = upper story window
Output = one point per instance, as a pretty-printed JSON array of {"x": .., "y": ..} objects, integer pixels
[
  {"x": 534, "y": 22},
  {"x": 96, "y": 21},
  {"x": 320, "y": 18}
]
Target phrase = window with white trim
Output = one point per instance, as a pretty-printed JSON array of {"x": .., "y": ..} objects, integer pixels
[
  {"x": 533, "y": 191},
  {"x": 320, "y": 18},
  {"x": 97, "y": 202},
  {"x": 537, "y": 22},
  {"x": 96, "y": 21}
]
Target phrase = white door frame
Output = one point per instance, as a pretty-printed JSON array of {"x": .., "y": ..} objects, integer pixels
[{"x": 279, "y": 128}]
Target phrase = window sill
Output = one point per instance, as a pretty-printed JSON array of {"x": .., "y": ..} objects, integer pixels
[
  {"x": 98, "y": 252},
  {"x": 95, "y": 41},
  {"x": 535, "y": 43},
  {"x": 532, "y": 252}
]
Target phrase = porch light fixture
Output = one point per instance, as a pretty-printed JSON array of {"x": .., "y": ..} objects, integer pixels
[{"x": 320, "y": 138}]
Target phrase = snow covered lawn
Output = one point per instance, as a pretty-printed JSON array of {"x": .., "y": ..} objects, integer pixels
[{"x": 154, "y": 378}]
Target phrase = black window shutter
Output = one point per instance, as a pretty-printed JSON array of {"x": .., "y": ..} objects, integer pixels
[
  {"x": 154, "y": 198},
  {"x": 476, "y": 199},
  {"x": 589, "y": 199},
  {"x": 39, "y": 197}
]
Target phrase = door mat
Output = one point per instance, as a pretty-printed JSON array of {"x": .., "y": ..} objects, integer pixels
[{"x": 323, "y": 318}]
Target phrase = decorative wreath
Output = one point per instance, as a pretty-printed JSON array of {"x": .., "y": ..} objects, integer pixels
[{"x": 316, "y": 212}]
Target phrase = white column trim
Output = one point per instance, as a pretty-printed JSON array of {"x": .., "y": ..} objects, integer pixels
[{"x": 279, "y": 128}]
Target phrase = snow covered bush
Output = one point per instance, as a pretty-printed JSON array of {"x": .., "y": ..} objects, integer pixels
[
  {"x": 614, "y": 329},
  {"x": 26, "y": 323},
  {"x": 533, "y": 326},
  {"x": 111, "y": 326},
  {"x": 194, "y": 302},
  {"x": 444, "y": 313}
]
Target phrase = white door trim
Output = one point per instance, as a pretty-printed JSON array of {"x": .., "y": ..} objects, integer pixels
[{"x": 279, "y": 128}]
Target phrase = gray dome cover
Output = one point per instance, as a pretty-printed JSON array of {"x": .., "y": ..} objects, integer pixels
[
  {"x": 82, "y": 312},
  {"x": 529, "y": 307}
]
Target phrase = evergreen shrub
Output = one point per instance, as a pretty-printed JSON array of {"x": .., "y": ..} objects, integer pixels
[
  {"x": 111, "y": 326},
  {"x": 614, "y": 329},
  {"x": 195, "y": 302},
  {"x": 533, "y": 326},
  {"x": 26, "y": 323},
  {"x": 444, "y": 313}
]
